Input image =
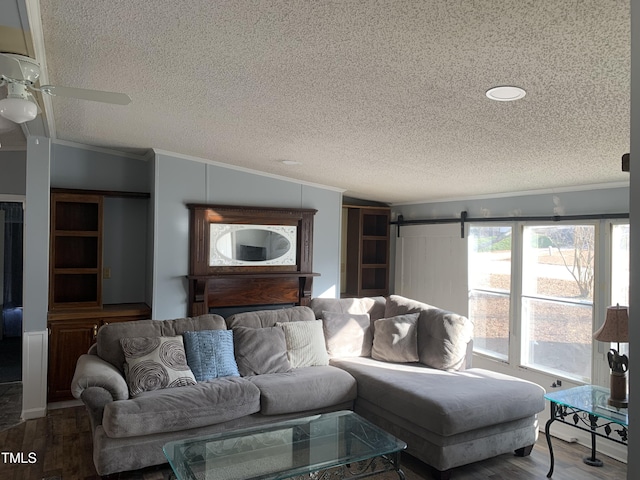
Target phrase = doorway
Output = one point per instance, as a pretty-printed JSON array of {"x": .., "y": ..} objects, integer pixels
[{"x": 11, "y": 271}]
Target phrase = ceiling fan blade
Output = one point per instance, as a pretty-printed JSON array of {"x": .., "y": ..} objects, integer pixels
[
  {"x": 85, "y": 94},
  {"x": 10, "y": 67}
]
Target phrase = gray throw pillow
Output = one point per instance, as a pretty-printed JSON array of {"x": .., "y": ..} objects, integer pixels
[
  {"x": 260, "y": 350},
  {"x": 396, "y": 339},
  {"x": 347, "y": 334},
  {"x": 442, "y": 336},
  {"x": 153, "y": 363}
]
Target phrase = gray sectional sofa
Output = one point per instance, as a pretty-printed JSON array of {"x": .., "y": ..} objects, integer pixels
[{"x": 402, "y": 364}]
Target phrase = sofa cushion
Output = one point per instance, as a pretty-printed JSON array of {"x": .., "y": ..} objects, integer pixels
[
  {"x": 347, "y": 334},
  {"x": 303, "y": 389},
  {"x": 154, "y": 363},
  {"x": 210, "y": 354},
  {"x": 260, "y": 350},
  {"x": 374, "y": 306},
  {"x": 108, "y": 340},
  {"x": 268, "y": 318},
  {"x": 442, "y": 336},
  {"x": 176, "y": 409},
  {"x": 396, "y": 339},
  {"x": 305, "y": 343},
  {"x": 446, "y": 403}
]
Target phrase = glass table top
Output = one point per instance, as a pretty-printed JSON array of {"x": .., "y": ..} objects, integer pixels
[
  {"x": 591, "y": 399},
  {"x": 281, "y": 450}
]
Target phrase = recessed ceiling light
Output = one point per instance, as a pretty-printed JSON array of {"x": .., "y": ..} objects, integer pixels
[
  {"x": 505, "y": 93},
  {"x": 290, "y": 162}
]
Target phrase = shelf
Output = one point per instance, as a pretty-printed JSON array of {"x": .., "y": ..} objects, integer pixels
[
  {"x": 367, "y": 251},
  {"x": 375, "y": 224},
  {"x": 76, "y": 216},
  {"x": 76, "y": 252},
  {"x": 374, "y": 278},
  {"x": 375, "y": 252},
  {"x": 75, "y": 288}
]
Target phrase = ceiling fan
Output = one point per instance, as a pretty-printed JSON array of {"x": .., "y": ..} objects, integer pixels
[{"x": 20, "y": 73}]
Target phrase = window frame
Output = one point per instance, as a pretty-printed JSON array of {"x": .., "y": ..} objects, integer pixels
[
  {"x": 483, "y": 352},
  {"x": 523, "y": 357},
  {"x": 601, "y": 299}
]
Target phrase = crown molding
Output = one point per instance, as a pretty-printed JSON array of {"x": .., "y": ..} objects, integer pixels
[
  {"x": 523, "y": 193},
  {"x": 247, "y": 170}
]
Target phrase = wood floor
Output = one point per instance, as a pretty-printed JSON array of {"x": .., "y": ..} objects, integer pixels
[{"x": 62, "y": 446}]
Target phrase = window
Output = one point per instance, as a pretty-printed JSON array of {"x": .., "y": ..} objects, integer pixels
[
  {"x": 620, "y": 264},
  {"x": 620, "y": 271},
  {"x": 489, "y": 274},
  {"x": 536, "y": 281},
  {"x": 558, "y": 266}
]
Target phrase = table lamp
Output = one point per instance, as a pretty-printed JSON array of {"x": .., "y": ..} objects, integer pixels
[{"x": 616, "y": 329}]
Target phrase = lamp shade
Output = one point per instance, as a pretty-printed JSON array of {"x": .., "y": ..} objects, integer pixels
[
  {"x": 615, "y": 327},
  {"x": 18, "y": 110}
]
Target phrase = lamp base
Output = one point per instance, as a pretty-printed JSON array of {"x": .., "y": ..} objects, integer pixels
[
  {"x": 618, "y": 396},
  {"x": 593, "y": 462},
  {"x": 618, "y": 403}
]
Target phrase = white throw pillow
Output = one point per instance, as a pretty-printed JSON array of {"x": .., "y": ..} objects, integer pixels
[
  {"x": 395, "y": 339},
  {"x": 305, "y": 343}
]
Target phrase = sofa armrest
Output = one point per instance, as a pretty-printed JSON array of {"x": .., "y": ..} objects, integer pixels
[
  {"x": 95, "y": 399},
  {"x": 92, "y": 371}
]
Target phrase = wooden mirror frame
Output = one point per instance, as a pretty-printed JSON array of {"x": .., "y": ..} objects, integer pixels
[{"x": 243, "y": 285}]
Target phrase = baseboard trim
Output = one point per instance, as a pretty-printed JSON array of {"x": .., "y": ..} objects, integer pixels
[
  {"x": 35, "y": 351},
  {"x": 33, "y": 413}
]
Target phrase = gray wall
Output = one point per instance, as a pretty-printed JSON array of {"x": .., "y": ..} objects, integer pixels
[
  {"x": 179, "y": 181},
  {"x": 125, "y": 237},
  {"x": 125, "y": 250},
  {"x": 578, "y": 202},
  {"x": 90, "y": 168},
  {"x": 13, "y": 172}
]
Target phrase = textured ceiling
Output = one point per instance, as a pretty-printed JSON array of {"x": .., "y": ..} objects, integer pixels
[{"x": 384, "y": 99}]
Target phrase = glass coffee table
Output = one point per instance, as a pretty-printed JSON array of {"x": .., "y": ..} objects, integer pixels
[
  {"x": 586, "y": 408},
  {"x": 332, "y": 445}
]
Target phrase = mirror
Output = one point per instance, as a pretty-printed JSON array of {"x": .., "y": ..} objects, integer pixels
[{"x": 237, "y": 244}]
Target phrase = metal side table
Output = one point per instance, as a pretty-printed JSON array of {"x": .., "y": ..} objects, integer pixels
[{"x": 586, "y": 408}]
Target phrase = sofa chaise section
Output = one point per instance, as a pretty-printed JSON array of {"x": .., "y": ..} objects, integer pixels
[
  {"x": 448, "y": 413},
  {"x": 455, "y": 418}
]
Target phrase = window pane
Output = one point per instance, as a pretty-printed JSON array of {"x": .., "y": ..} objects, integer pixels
[
  {"x": 620, "y": 272},
  {"x": 620, "y": 264},
  {"x": 559, "y": 261},
  {"x": 490, "y": 313},
  {"x": 489, "y": 286},
  {"x": 557, "y": 304},
  {"x": 490, "y": 258},
  {"x": 559, "y": 337}
]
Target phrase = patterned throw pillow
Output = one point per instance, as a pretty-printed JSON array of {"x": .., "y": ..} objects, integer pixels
[
  {"x": 210, "y": 354},
  {"x": 153, "y": 363},
  {"x": 305, "y": 343}
]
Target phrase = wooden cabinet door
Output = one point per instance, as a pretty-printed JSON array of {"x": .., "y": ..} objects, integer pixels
[{"x": 67, "y": 341}]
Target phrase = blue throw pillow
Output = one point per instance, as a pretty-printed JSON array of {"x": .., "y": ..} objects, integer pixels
[{"x": 210, "y": 354}]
